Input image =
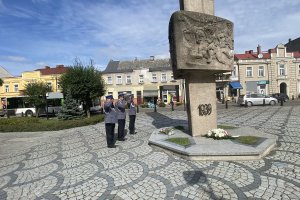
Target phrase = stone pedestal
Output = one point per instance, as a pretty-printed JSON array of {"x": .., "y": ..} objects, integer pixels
[
  {"x": 201, "y": 103},
  {"x": 201, "y": 45}
]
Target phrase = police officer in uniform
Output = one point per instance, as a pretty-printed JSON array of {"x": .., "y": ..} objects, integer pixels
[
  {"x": 110, "y": 121},
  {"x": 132, "y": 115},
  {"x": 120, "y": 107}
]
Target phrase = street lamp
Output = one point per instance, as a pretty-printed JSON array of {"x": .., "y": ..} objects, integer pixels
[{"x": 47, "y": 95}]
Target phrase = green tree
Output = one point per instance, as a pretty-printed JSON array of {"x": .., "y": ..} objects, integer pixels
[
  {"x": 36, "y": 94},
  {"x": 84, "y": 82},
  {"x": 70, "y": 108},
  {"x": 1, "y": 82}
]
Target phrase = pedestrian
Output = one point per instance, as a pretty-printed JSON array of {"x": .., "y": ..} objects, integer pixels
[
  {"x": 132, "y": 115},
  {"x": 110, "y": 121},
  {"x": 121, "y": 113}
]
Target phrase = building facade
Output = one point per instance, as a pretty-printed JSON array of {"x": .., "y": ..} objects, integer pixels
[
  {"x": 273, "y": 71},
  {"x": 148, "y": 80},
  {"x": 14, "y": 86}
]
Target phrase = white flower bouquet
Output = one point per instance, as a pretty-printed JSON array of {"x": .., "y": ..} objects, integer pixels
[
  {"x": 166, "y": 131},
  {"x": 218, "y": 134}
]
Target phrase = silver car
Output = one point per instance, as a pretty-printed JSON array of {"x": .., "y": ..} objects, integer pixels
[{"x": 256, "y": 99}]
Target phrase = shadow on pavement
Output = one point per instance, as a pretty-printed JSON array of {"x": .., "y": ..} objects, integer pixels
[{"x": 161, "y": 120}]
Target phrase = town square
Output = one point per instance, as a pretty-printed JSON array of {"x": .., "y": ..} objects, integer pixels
[{"x": 180, "y": 99}]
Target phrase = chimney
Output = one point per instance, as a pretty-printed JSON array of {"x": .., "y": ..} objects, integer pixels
[
  {"x": 47, "y": 67},
  {"x": 59, "y": 66},
  {"x": 251, "y": 51},
  {"x": 152, "y": 58},
  {"x": 258, "y": 49},
  {"x": 246, "y": 52}
]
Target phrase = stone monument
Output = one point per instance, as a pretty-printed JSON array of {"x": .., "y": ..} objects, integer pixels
[{"x": 201, "y": 46}]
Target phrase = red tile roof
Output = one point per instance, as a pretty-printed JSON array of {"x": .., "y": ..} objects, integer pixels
[
  {"x": 296, "y": 54},
  {"x": 251, "y": 56},
  {"x": 60, "y": 69}
]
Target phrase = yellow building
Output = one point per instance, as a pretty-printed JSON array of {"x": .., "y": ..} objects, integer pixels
[{"x": 14, "y": 86}]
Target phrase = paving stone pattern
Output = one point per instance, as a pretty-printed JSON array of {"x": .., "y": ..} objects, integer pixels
[{"x": 75, "y": 163}]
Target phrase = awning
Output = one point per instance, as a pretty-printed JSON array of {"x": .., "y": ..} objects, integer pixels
[
  {"x": 236, "y": 85},
  {"x": 150, "y": 93}
]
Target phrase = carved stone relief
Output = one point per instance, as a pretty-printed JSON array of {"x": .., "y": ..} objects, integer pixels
[{"x": 200, "y": 41}]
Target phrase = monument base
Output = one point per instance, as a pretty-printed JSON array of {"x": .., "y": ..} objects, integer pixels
[
  {"x": 202, "y": 148},
  {"x": 201, "y": 103}
]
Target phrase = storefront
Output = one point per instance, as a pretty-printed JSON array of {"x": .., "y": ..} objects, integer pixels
[
  {"x": 235, "y": 88},
  {"x": 168, "y": 93},
  {"x": 262, "y": 87}
]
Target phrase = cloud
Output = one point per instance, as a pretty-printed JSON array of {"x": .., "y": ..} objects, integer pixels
[
  {"x": 13, "y": 58},
  {"x": 40, "y": 1}
]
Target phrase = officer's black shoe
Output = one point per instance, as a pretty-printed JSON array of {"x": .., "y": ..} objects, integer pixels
[
  {"x": 121, "y": 139},
  {"x": 112, "y": 146}
]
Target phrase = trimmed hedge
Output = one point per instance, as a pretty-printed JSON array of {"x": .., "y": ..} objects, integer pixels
[{"x": 33, "y": 124}]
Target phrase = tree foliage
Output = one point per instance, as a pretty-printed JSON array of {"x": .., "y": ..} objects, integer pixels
[
  {"x": 70, "y": 109},
  {"x": 36, "y": 94},
  {"x": 1, "y": 82},
  {"x": 84, "y": 82}
]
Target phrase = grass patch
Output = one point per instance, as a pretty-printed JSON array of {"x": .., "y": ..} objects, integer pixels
[
  {"x": 33, "y": 124},
  {"x": 180, "y": 141},
  {"x": 226, "y": 127},
  {"x": 179, "y": 128},
  {"x": 250, "y": 140}
]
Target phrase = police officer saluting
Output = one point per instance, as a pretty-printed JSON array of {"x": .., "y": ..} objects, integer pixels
[
  {"x": 120, "y": 107},
  {"x": 132, "y": 115},
  {"x": 110, "y": 121}
]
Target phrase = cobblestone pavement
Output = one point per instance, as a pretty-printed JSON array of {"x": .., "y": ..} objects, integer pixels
[{"x": 75, "y": 163}]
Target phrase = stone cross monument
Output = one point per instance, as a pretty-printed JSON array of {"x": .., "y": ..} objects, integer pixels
[{"x": 201, "y": 46}]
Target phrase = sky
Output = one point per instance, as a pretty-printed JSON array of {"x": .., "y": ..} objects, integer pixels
[{"x": 38, "y": 33}]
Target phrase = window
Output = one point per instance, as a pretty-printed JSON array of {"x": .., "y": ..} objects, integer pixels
[
  {"x": 261, "y": 71},
  {"x": 154, "y": 78},
  {"x": 282, "y": 70},
  {"x": 16, "y": 87},
  {"x": 6, "y": 88},
  {"x": 172, "y": 78},
  {"x": 163, "y": 77},
  {"x": 233, "y": 73},
  {"x": 49, "y": 85},
  {"x": 58, "y": 85},
  {"x": 128, "y": 79},
  {"x": 249, "y": 72},
  {"x": 109, "y": 80},
  {"x": 119, "y": 80},
  {"x": 141, "y": 79}
]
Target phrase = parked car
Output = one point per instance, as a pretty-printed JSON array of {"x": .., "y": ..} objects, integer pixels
[
  {"x": 280, "y": 96},
  {"x": 256, "y": 99}
]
